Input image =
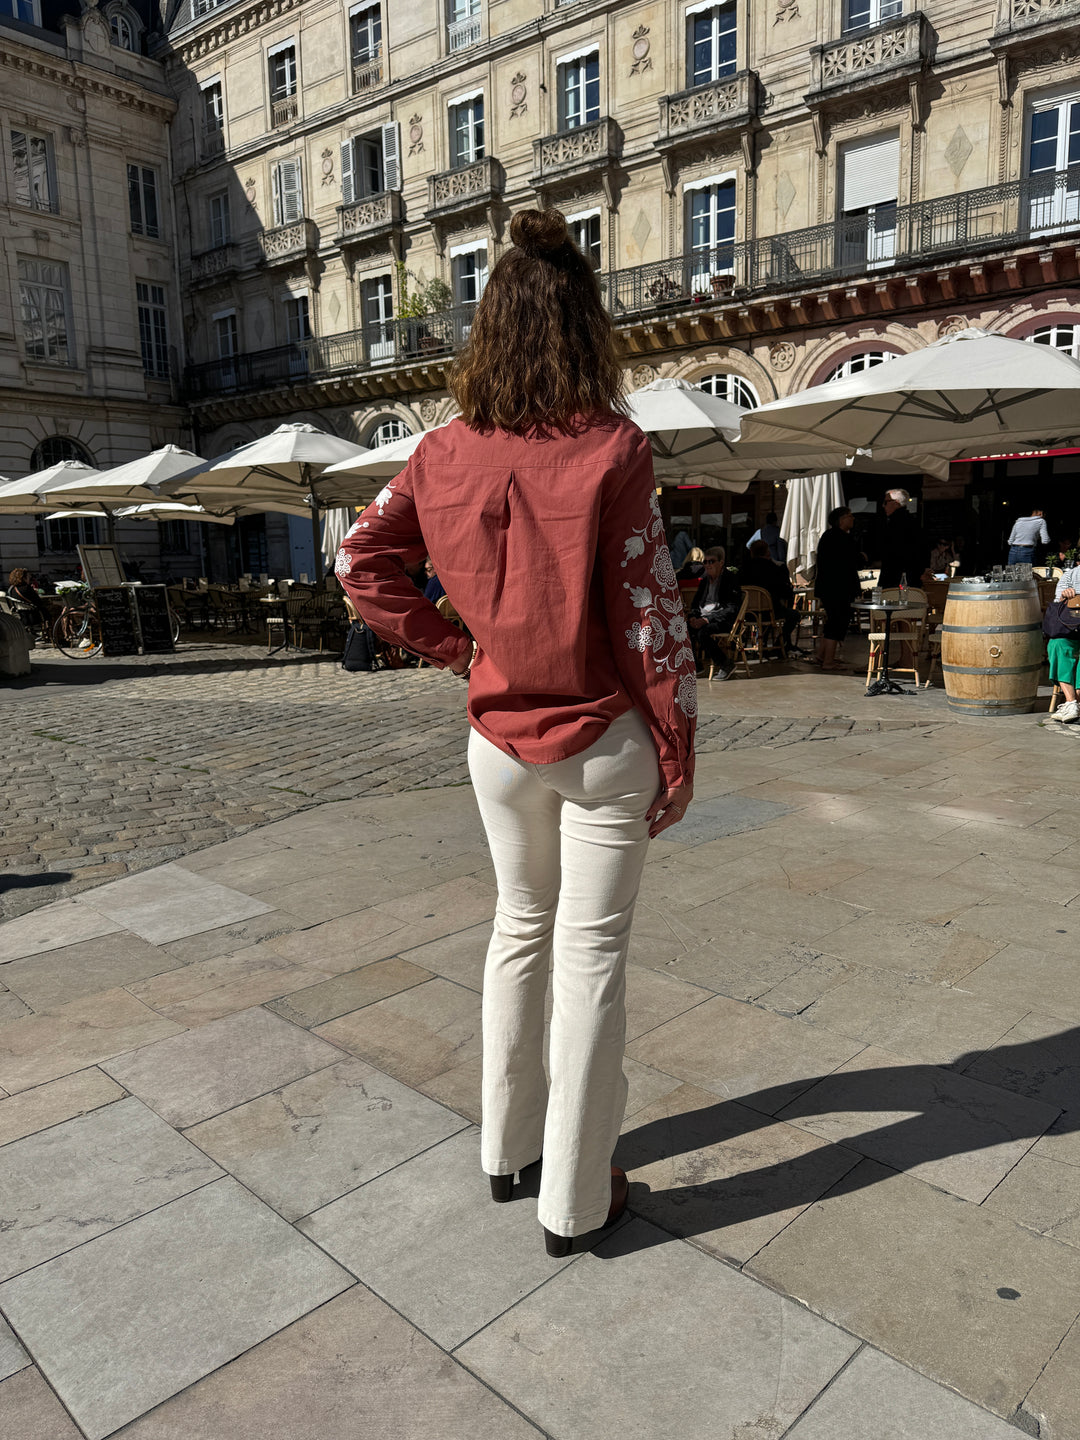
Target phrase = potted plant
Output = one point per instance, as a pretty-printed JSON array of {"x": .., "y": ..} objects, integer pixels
[{"x": 427, "y": 299}]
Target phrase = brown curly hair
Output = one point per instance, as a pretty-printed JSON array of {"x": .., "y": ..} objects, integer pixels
[{"x": 541, "y": 353}]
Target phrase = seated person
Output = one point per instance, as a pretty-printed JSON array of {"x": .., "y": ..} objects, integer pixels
[
  {"x": 693, "y": 567},
  {"x": 22, "y": 589},
  {"x": 941, "y": 557},
  {"x": 433, "y": 590},
  {"x": 761, "y": 569},
  {"x": 770, "y": 533},
  {"x": 715, "y": 606}
]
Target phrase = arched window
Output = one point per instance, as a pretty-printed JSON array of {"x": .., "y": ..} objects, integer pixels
[
  {"x": 57, "y": 448},
  {"x": 386, "y": 431},
  {"x": 123, "y": 32},
  {"x": 865, "y": 360},
  {"x": 1061, "y": 337},
  {"x": 732, "y": 388}
]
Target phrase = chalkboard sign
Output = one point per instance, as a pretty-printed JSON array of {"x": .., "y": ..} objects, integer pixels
[
  {"x": 154, "y": 622},
  {"x": 117, "y": 621}
]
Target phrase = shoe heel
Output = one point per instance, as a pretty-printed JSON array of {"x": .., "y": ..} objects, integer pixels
[
  {"x": 502, "y": 1188},
  {"x": 557, "y": 1246}
]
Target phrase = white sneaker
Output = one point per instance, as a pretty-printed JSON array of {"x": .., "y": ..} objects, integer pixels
[{"x": 1069, "y": 713}]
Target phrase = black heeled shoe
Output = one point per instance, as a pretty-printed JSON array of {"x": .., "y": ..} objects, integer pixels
[
  {"x": 502, "y": 1186},
  {"x": 559, "y": 1246}
]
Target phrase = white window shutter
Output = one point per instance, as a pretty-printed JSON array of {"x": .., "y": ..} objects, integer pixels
[
  {"x": 871, "y": 172},
  {"x": 348, "y": 185},
  {"x": 278, "y": 207},
  {"x": 391, "y": 150},
  {"x": 291, "y": 199}
]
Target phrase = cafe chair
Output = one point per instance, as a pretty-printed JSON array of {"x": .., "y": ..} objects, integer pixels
[
  {"x": 732, "y": 642},
  {"x": 761, "y": 629},
  {"x": 908, "y": 629}
]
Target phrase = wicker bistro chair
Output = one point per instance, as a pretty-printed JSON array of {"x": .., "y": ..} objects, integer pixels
[
  {"x": 732, "y": 641},
  {"x": 762, "y": 631},
  {"x": 227, "y": 609},
  {"x": 908, "y": 629}
]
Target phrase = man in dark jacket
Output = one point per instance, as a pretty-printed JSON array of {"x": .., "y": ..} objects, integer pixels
[
  {"x": 904, "y": 550},
  {"x": 714, "y": 609},
  {"x": 763, "y": 571}
]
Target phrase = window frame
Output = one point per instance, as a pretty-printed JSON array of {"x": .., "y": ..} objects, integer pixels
[
  {"x": 466, "y": 121},
  {"x": 736, "y": 389},
  {"x": 117, "y": 21},
  {"x": 52, "y": 207},
  {"x": 233, "y": 331},
  {"x": 717, "y": 262},
  {"x": 301, "y": 300},
  {"x": 372, "y": 10},
  {"x": 848, "y": 366},
  {"x": 139, "y": 223},
  {"x": 35, "y": 12},
  {"x": 219, "y": 227},
  {"x": 475, "y": 274},
  {"x": 719, "y": 68},
  {"x": 386, "y": 423},
  {"x": 153, "y": 329},
  {"x": 879, "y": 12},
  {"x": 292, "y": 74},
  {"x": 591, "y": 249},
  {"x": 211, "y": 119},
  {"x": 63, "y": 288},
  {"x": 1073, "y": 348},
  {"x": 586, "y": 88}
]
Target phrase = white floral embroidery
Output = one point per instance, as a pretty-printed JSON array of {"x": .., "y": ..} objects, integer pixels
[
  {"x": 661, "y": 627},
  {"x": 383, "y": 498},
  {"x": 342, "y": 565},
  {"x": 355, "y": 528}
]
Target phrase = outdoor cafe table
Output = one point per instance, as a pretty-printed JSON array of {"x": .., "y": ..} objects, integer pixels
[{"x": 884, "y": 685}]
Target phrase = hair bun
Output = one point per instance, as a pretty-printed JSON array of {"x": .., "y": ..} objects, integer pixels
[{"x": 539, "y": 232}]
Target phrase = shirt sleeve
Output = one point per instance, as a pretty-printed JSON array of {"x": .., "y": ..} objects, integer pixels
[
  {"x": 371, "y": 567},
  {"x": 649, "y": 634},
  {"x": 1044, "y": 534}
]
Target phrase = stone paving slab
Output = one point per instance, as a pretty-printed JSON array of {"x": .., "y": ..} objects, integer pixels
[
  {"x": 13, "y": 1357},
  {"x": 55, "y": 1102},
  {"x": 30, "y": 1410},
  {"x": 128, "y": 1319}
]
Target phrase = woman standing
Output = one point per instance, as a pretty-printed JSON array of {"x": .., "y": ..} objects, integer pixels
[
  {"x": 836, "y": 583},
  {"x": 1064, "y": 653},
  {"x": 539, "y": 512}
]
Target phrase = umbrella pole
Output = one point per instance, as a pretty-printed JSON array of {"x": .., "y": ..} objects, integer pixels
[{"x": 316, "y": 540}]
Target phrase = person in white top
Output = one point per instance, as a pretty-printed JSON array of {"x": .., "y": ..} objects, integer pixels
[
  {"x": 1064, "y": 654},
  {"x": 1029, "y": 531}
]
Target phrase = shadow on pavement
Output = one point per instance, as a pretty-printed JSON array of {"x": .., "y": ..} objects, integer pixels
[
  {"x": 944, "y": 1129},
  {"x": 100, "y": 672},
  {"x": 32, "y": 882}
]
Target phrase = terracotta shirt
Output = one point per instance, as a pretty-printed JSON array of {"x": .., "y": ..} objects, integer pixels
[{"x": 552, "y": 551}]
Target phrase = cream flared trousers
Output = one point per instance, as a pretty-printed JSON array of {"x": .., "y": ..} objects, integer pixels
[{"x": 568, "y": 841}]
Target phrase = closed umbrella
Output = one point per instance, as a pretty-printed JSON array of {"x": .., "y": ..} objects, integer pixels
[
  {"x": 335, "y": 525},
  {"x": 281, "y": 470},
  {"x": 810, "y": 498},
  {"x": 967, "y": 389}
]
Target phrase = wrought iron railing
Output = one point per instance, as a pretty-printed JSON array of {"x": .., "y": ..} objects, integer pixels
[
  {"x": 284, "y": 110},
  {"x": 997, "y": 217},
  {"x": 461, "y": 34},
  {"x": 367, "y": 72}
]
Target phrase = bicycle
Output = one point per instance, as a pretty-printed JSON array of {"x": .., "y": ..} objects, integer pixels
[{"x": 76, "y": 631}]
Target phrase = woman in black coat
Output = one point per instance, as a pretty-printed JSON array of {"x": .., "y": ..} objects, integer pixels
[{"x": 836, "y": 583}]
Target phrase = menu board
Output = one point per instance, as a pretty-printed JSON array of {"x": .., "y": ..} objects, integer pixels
[
  {"x": 152, "y": 614},
  {"x": 101, "y": 565},
  {"x": 118, "y": 636}
]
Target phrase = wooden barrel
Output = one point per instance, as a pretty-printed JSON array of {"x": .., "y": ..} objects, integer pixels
[{"x": 992, "y": 647}]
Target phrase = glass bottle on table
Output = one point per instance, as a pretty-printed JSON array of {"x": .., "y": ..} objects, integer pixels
[{"x": 902, "y": 593}]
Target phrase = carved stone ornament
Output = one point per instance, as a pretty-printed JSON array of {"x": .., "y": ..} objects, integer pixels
[
  {"x": 249, "y": 189},
  {"x": 328, "y": 166},
  {"x": 643, "y": 375},
  {"x": 782, "y": 355},
  {"x": 428, "y": 411},
  {"x": 642, "y": 58},
  {"x": 952, "y": 325},
  {"x": 785, "y": 10},
  {"x": 518, "y": 95},
  {"x": 416, "y": 134},
  {"x": 96, "y": 33}
]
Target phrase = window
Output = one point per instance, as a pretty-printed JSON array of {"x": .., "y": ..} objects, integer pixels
[
  {"x": 470, "y": 268},
  {"x": 466, "y": 130},
  {"x": 122, "y": 31},
  {"x": 713, "y": 31},
  {"x": 370, "y": 163},
  {"x": 288, "y": 192},
  {"x": 25, "y": 10},
  {"x": 1053, "y": 146},
  {"x": 1061, "y": 337},
  {"x": 174, "y": 537},
  {"x": 220, "y": 225},
  {"x": 153, "y": 330},
  {"x": 579, "y": 90},
  {"x": 862, "y": 14},
  {"x": 65, "y": 535},
  {"x": 297, "y": 321},
  {"x": 585, "y": 233},
  {"x": 377, "y": 298},
  {"x": 45, "y": 299},
  {"x": 732, "y": 388},
  {"x": 203, "y": 7},
  {"x": 855, "y": 364},
  {"x": 142, "y": 201},
  {"x": 213, "y": 107},
  {"x": 225, "y": 335},
  {"x": 283, "y": 71},
  {"x": 387, "y": 431},
  {"x": 56, "y": 448},
  {"x": 711, "y": 205},
  {"x": 463, "y": 27},
  {"x": 871, "y": 170},
  {"x": 365, "y": 33},
  {"x": 35, "y": 182}
]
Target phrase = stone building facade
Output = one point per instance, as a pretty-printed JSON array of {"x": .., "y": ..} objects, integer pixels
[{"x": 90, "y": 366}]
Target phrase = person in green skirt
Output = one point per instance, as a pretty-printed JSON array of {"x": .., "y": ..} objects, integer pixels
[{"x": 1064, "y": 654}]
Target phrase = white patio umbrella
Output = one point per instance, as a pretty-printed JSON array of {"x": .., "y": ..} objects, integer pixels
[
  {"x": 279, "y": 471},
  {"x": 129, "y": 484},
  {"x": 381, "y": 462},
  {"x": 688, "y": 429},
  {"x": 168, "y": 510},
  {"x": 335, "y": 524},
  {"x": 28, "y": 495},
  {"x": 968, "y": 389},
  {"x": 806, "y": 513}
]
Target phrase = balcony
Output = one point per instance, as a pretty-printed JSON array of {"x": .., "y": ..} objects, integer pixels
[
  {"x": 469, "y": 187},
  {"x": 288, "y": 244},
  {"x": 460, "y": 34},
  {"x": 284, "y": 110},
  {"x": 705, "y": 113},
  {"x": 211, "y": 142},
  {"x": 367, "y": 73},
  {"x": 1027, "y": 20},
  {"x": 572, "y": 155},
  {"x": 896, "y": 50},
  {"x": 212, "y": 267},
  {"x": 370, "y": 219}
]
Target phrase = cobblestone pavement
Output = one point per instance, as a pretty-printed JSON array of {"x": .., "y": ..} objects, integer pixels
[{"x": 115, "y": 766}]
